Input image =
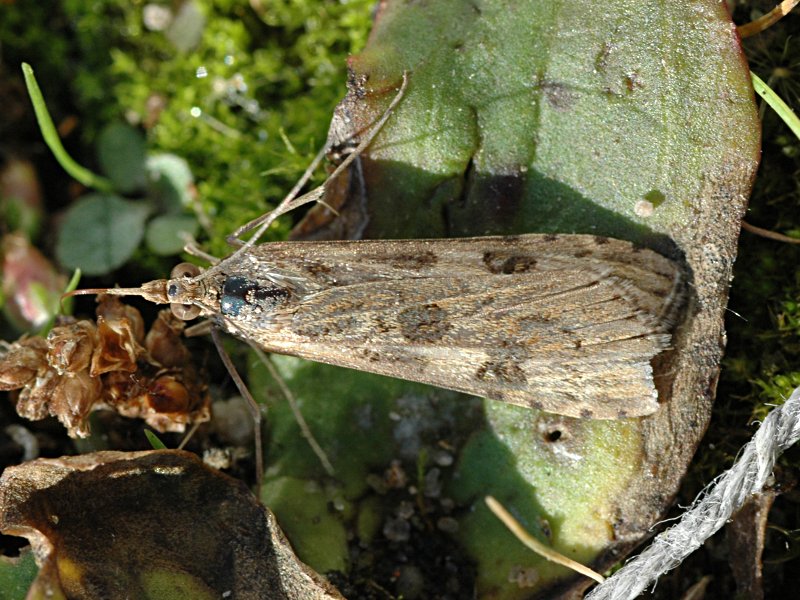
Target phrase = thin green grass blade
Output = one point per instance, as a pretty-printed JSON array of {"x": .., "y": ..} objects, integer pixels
[
  {"x": 50, "y": 135},
  {"x": 777, "y": 104},
  {"x": 154, "y": 440}
]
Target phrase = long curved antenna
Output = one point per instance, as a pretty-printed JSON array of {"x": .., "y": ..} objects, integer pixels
[
  {"x": 316, "y": 195},
  {"x": 305, "y": 430},
  {"x": 255, "y": 409}
]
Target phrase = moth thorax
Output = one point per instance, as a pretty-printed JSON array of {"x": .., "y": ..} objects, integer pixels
[{"x": 241, "y": 294}]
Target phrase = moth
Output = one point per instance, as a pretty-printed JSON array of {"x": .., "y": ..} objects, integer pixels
[
  {"x": 564, "y": 323},
  {"x": 569, "y": 324}
]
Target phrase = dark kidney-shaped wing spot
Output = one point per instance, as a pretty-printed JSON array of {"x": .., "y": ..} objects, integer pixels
[
  {"x": 414, "y": 262},
  {"x": 505, "y": 264},
  {"x": 316, "y": 268},
  {"x": 370, "y": 355},
  {"x": 425, "y": 323},
  {"x": 506, "y": 372},
  {"x": 346, "y": 325}
]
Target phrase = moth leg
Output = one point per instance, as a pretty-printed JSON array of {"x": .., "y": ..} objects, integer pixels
[
  {"x": 255, "y": 409},
  {"x": 291, "y": 202},
  {"x": 198, "y": 329},
  {"x": 304, "y": 428},
  {"x": 189, "y": 435}
]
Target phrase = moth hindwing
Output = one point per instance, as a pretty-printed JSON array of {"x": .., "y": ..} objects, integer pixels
[{"x": 568, "y": 324}]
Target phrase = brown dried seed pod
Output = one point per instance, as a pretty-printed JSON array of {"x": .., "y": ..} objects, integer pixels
[
  {"x": 119, "y": 340},
  {"x": 167, "y": 395},
  {"x": 70, "y": 346},
  {"x": 73, "y": 398},
  {"x": 119, "y": 388},
  {"x": 163, "y": 342},
  {"x": 34, "y": 400},
  {"x": 169, "y": 404},
  {"x": 111, "y": 308},
  {"x": 165, "y": 401},
  {"x": 21, "y": 361},
  {"x": 82, "y": 367}
]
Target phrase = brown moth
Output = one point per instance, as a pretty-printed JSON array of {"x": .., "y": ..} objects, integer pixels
[{"x": 564, "y": 323}]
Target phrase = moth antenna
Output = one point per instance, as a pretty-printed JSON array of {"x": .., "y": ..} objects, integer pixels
[
  {"x": 255, "y": 409},
  {"x": 291, "y": 202},
  {"x": 234, "y": 238}
]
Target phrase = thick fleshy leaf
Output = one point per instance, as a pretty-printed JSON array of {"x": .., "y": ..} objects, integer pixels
[
  {"x": 170, "y": 181},
  {"x": 392, "y": 445},
  {"x": 168, "y": 234},
  {"x": 100, "y": 232},
  {"x": 16, "y": 575},
  {"x": 155, "y": 524},
  {"x": 614, "y": 119}
]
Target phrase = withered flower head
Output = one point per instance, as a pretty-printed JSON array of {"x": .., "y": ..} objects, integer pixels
[
  {"x": 70, "y": 346},
  {"x": 120, "y": 331},
  {"x": 20, "y": 362}
]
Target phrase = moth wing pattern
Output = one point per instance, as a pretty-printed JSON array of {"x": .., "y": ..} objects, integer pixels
[{"x": 567, "y": 324}]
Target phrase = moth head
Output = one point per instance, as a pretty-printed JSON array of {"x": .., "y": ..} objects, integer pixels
[
  {"x": 180, "y": 290},
  {"x": 177, "y": 291}
]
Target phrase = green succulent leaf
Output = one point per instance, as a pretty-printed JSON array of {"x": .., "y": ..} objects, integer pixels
[
  {"x": 100, "y": 232},
  {"x": 121, "y": 152},
  {"x": 170, "y": 181},
  {"x": 167, "y": 234}
]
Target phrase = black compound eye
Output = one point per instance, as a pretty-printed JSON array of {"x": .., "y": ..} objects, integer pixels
[{"x": 184, "y": 270}]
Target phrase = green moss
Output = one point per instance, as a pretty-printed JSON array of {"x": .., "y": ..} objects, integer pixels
[
  {"x": 278, "y": 71},
  {"x": 271, "y": 76}
]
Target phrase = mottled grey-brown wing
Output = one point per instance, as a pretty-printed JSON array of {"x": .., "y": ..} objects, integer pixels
[
  {"x": 576, "y": 341},
  {"x": 341, "y": 263}
]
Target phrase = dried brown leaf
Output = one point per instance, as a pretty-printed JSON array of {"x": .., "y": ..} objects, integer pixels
[{"x": 149, "y": 524}]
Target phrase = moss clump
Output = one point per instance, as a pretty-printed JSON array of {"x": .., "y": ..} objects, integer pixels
[{"x": 247, "y": 106}]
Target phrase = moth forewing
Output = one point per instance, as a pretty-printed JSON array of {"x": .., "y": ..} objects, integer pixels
[{"x": 567, "y": 323}]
